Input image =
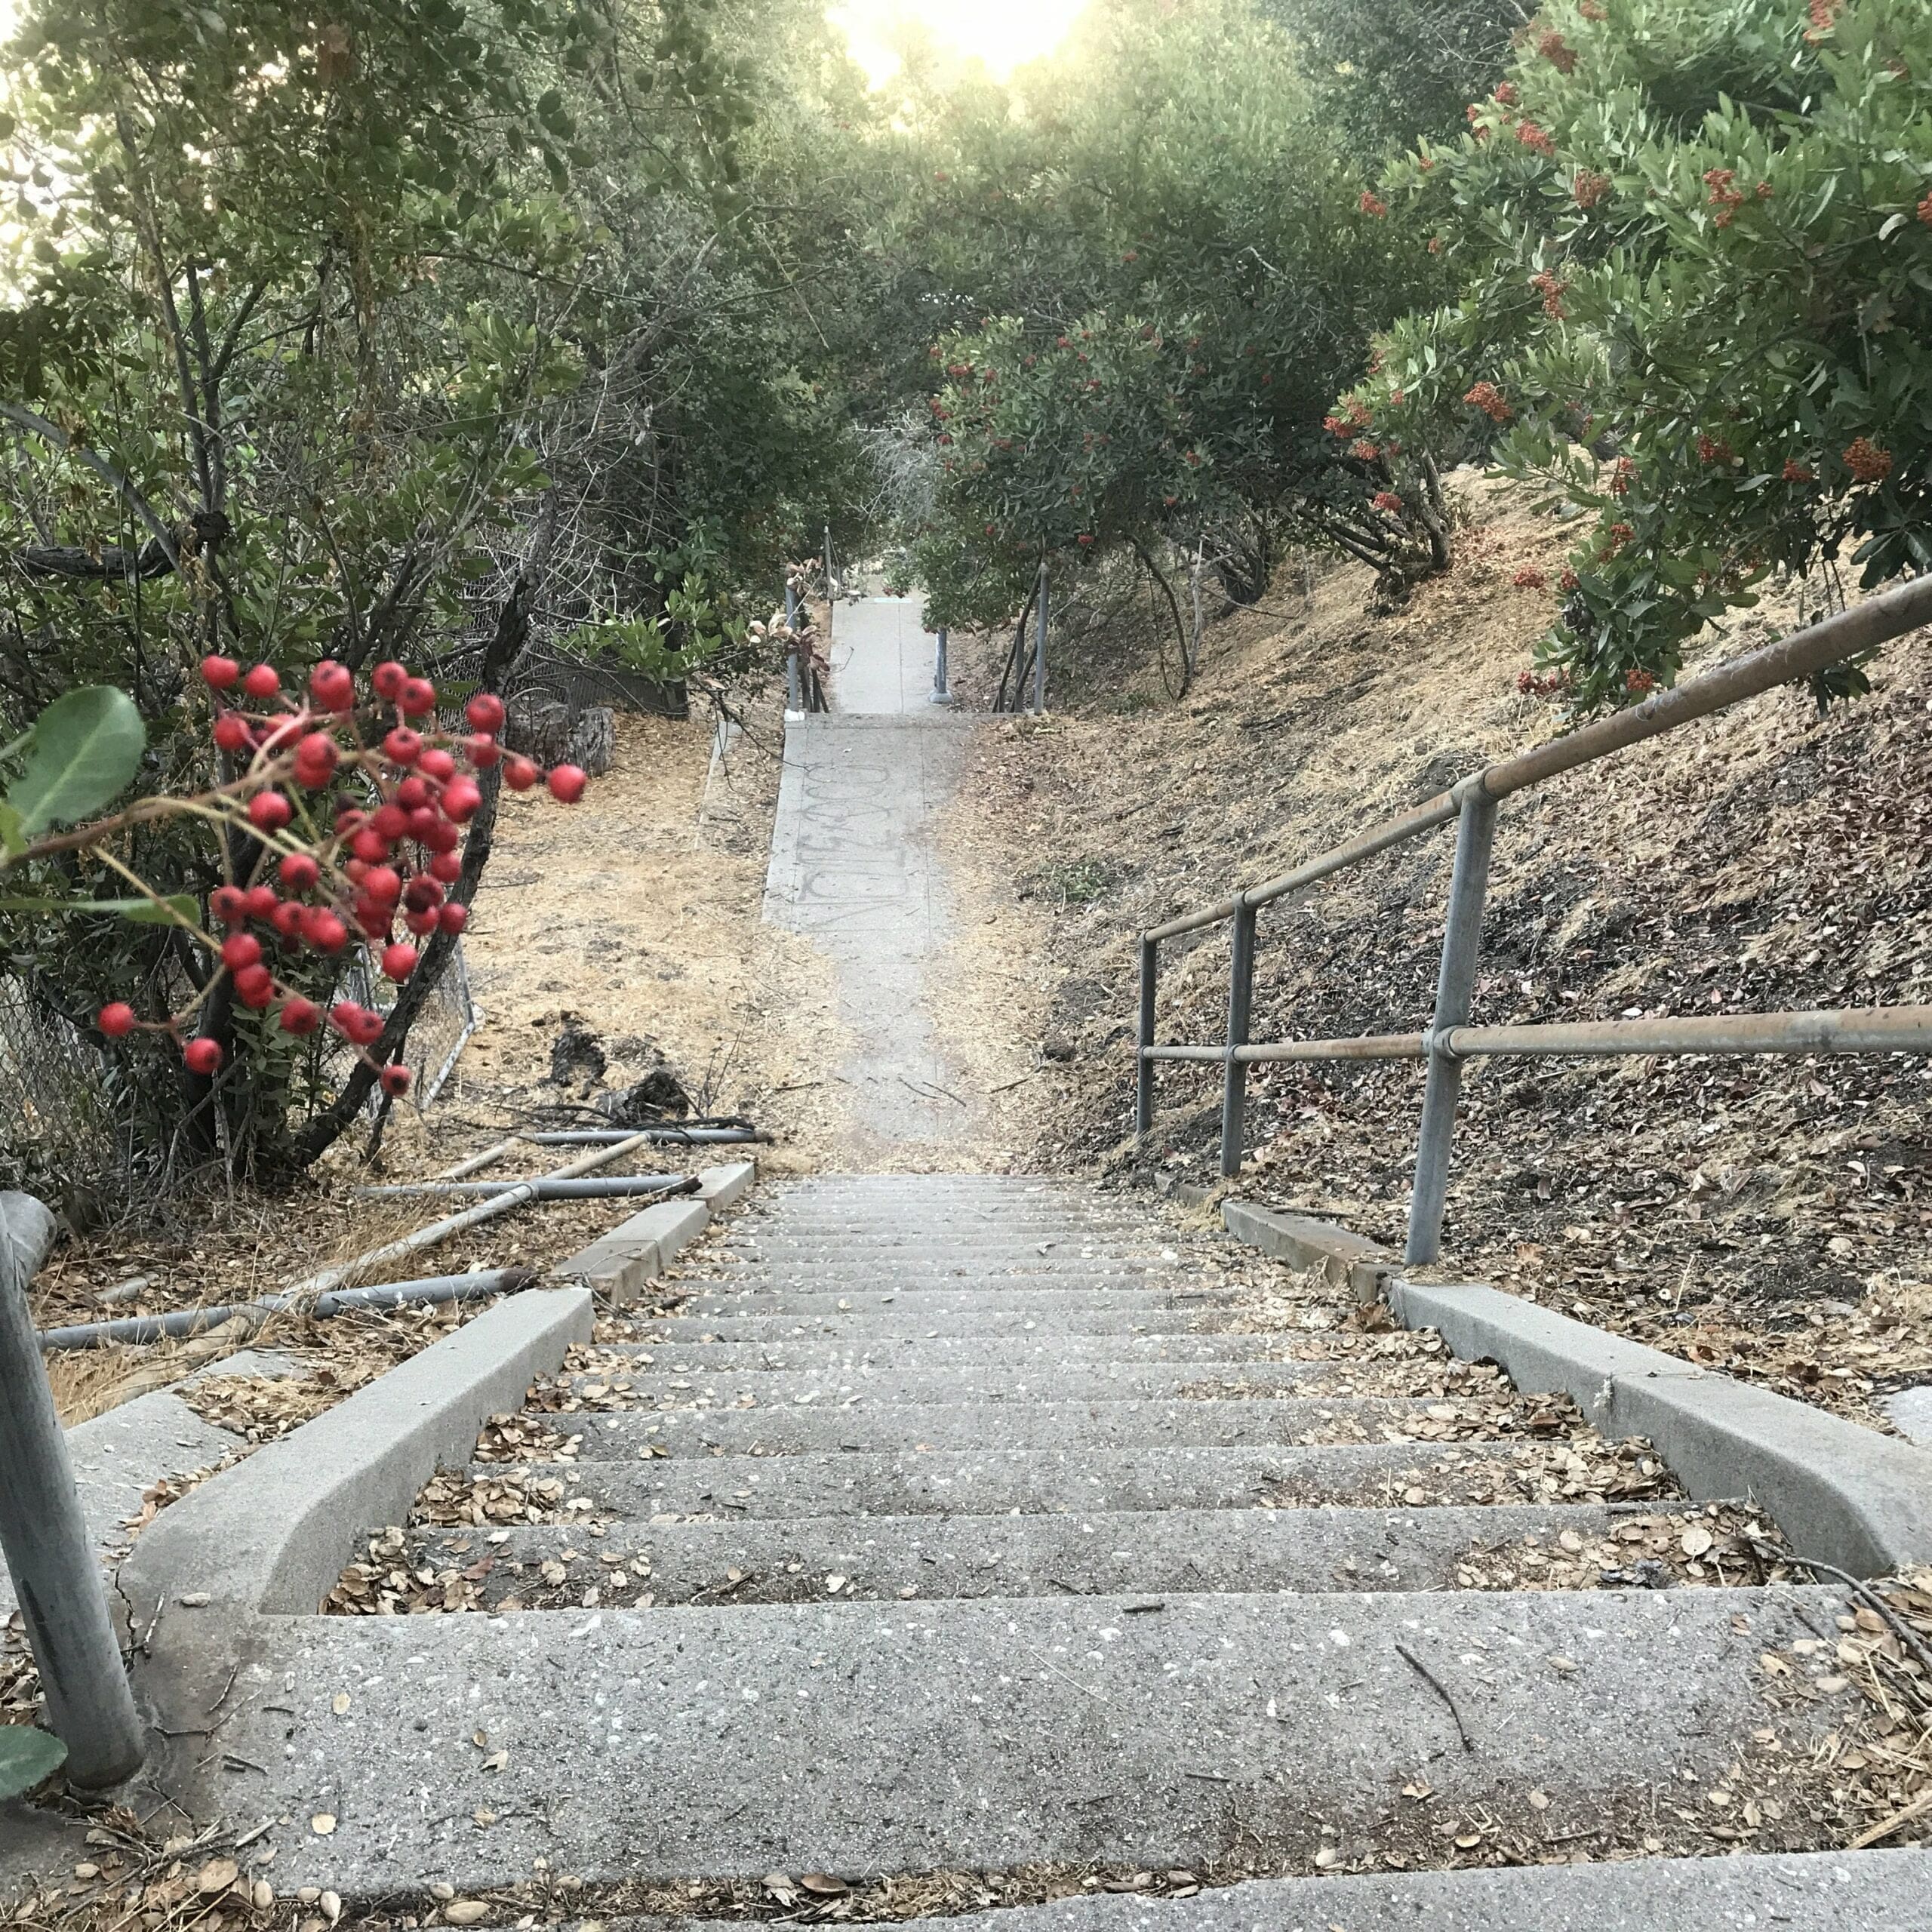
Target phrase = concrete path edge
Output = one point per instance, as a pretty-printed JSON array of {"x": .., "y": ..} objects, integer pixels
[
  {"x": 1842, "y": 1493},
  {"x": 618, "y": 1264},
  {"x": 270, "y": 1536}
]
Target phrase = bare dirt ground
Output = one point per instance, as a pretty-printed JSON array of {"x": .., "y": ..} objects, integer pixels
[
  {"x": 635, "y": 911},
  {"x": 1766, "y": 1216}
]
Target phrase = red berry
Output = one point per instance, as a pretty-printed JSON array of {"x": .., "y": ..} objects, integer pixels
[
  {"x": 485, "y": 712},
  {"x": 370, "y": 845},
  {"x": 254, "y": 987},
  {"x": 453, "y": 918},
  {"x": 315, "y": 760},
  {"x": 358, "y": 870},
  {"x": 116, "y": 1019},
  {"x": 203, "y": 1055},
  {"x": 327, "y": 933},
  {"x": 462, "y": 800},
  {"x": 446, "y": 866},
  {"x": 300, "y": 1016},
  {"x": 229, "y": 904},
  {"x": 567, "y": 783},
  {"x": 261, "y": 681},
  {"x": 334, "y": 687},
  {"x": 402, "y": 746},
  {"x": 348, "y": 820},
  {"x": 423, "y": 821},
  {"x": 262, "y": 902},
  {"x": 421, "y": 893},
  {"x": 391, "y": 822},
  {"x": 417, "y": 697},
  {"x": 484, "y": 752},
  {"x": 388, "y": 678},
  {"x": 413, "y": 792},
  {"x": 442, "y": 837},
  {"x": 383, "y": 885},
  {"x": 373, "y": 919},
  {"x": 519, "y": 774},
  {"x": 240, "y": 950},
  {"x": 269, "y": 810},
  {"x": 219, "y": 672},
  {"x": 398, "y": 960},
  {"x": 290, "y": 920},
  {"x": 420, "y": 924},
  {"x": 436, "y": 763},
  {"x": 344, "y": 1016},
  {"x": 299, "y": 872},
  {"x": 231, "y": 733},
  {"x": 396, "y": 1081}
]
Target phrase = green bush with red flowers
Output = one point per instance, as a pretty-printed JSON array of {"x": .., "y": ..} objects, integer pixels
[{"x": 1694, "y": 243}]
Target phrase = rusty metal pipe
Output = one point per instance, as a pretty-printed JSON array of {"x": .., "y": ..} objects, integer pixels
[
  {"x": 1876, "y": 621},
  {"x": 1872, "y": 1029},
  {"x": 1366, "y": 1046}
]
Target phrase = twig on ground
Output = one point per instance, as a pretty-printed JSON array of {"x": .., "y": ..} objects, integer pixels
[{"x": 1436, "y": 1683}]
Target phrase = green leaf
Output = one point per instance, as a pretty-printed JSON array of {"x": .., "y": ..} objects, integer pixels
[
  {"x": 11, "y": 840},
  {"x": 87, "y": 747},
  {"x": 26, "y": 1756},
  {"x": 137, "y": 912}
]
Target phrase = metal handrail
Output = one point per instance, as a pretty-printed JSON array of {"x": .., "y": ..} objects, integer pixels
[{"x": 1471, "y": 803}]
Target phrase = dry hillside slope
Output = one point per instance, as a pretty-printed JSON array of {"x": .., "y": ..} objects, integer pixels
[{"x": 1768, "y": 1215}]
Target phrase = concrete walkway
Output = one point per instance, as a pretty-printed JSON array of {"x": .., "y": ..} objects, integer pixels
[
  {"x": 854, "y": 868},
  {"x": 881, "y": 659}
]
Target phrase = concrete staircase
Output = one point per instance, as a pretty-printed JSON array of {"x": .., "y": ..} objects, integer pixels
[{"x": 973, "y": 1524}]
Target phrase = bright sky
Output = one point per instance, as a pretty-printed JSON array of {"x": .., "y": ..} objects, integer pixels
[{"x": 1005, "y": 34}]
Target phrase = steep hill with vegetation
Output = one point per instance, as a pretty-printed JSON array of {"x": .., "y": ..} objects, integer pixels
[{"x": 1766, "y": 1216}]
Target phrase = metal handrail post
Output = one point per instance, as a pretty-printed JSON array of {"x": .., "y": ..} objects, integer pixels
[
  {"x": 1462, "y": 935},
  {"x": 56, "y": 1573},
  {"x": 793, "y": 701},
  {"x": 1040, "y": 652},
  {"x": 1143, "y": 1069},
  {"x": 1241, "y": 995},
  {"x": 940, "y": 694}
]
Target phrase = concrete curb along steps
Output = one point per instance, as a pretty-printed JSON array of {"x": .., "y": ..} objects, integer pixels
[
  {"x": 1842, "y": 1493},
  {"x": 618, "y": 1264},
  {"x": 1809, "y": 1891},
  {"x": 268, "y": 1538}
]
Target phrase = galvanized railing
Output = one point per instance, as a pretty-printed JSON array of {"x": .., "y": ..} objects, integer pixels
[{"x": 1449, "y": 1039}]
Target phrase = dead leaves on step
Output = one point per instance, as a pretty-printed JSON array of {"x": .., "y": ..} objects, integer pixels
[{"x": 1715, "y": 1545}]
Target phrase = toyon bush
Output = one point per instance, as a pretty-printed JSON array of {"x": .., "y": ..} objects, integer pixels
[
  {"x": 338, "y": 829},
  {"x": 1694, "y": 248}
]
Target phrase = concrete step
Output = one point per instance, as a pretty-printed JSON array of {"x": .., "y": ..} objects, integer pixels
[
  {"x": 1068, "y": 1310},
  {"x": 988, "y": 1482},
  {"x": 990, "y": 1735},
  {"x": 813, "y": 1351},
  {"x": 909, "y": 1264},
  {"x": 1151, "y": 1554},
  {"x": 893, "y": 1428},
  {"x": 968, "y": 1313},
  {"x": 950, "y": 1281},
  {"x": 1095, "y": 1382},
  {"x": 1819, "y": 1891}
]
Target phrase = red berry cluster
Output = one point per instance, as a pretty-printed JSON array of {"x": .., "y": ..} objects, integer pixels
[
  {"x": 1372, "y": 203},
  {"x": 1795, "y": 472},
  {"x": 1551, "y": 288},
  {"x": 1487, "y": 397},
  {"x": 1714, "y": 449},
  {"x": 1866, "y": 461},
  {"x": 1623, "y": 474},
  {"x": 1387, "y": 500},
  {"x": 1724, "y": 197},
  {"x": 383, "y": 846},
  {"x": 1537, "y": 139},
  {"x": 1558, "y": 52},
  {"x": 1530, "y": 578},
  {"x": 1589, "y": 187}
]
